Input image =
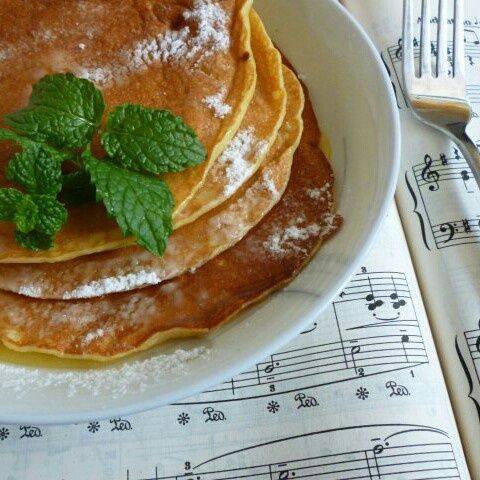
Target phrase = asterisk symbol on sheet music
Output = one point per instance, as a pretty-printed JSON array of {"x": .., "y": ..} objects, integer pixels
[
  {"x": 362, "y": 393},
  {"x": 273, "y": 407},
  {"x": 183, "y": 418},
  {"x": 4, "y": 433},
  {"x": 93, "y": 427}
]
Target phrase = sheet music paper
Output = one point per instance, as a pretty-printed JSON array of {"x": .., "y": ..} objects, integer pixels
[
  {"x": 359, "y": 394},
  {"x": 439, "y": 203}
]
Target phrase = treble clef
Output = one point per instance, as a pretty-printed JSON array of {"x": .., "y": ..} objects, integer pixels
[
  {"x": 429, "y": 175},
  {"x": 398, "y": 52}
]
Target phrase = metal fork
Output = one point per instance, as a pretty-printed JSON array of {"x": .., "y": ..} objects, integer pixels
[{"x": 440, "y": 101}]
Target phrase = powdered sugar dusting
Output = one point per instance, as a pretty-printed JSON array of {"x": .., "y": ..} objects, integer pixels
[
  {"x": 323, "y": 193},
  {"x": 121, "y": 283},
  {"x": 98, "y": 75},
  {"x": 217, "y": 103},
  {"x": 269, "y": 183},
  {"x": 235, "y": 158},
  {"x": 93, "y": 335},
  {"x": 30, "y": 291},
  {"x": 211, "y": 35},
  {"x": 129, "y": 377},
  {"x": 284, "y": 242}
]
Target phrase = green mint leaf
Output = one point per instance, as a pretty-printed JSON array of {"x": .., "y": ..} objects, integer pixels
[
  {"x": 10, "y": 198},
  {"x": 52, "y": 215},
  {"x": 34, "y": 240},
  {"x": 26, "y": 143},
  {"x": 14, "y": 137},
  {"x": 63, "y": 110},
  {"x": 41, "y": 213},
  {"x": 26, "y": 215},
  {"x": 142, "y": 205},
  {"x": 37, "y": 170},
  {"x": 77, "y": 188},
  {"x": 154, "y": 141}
]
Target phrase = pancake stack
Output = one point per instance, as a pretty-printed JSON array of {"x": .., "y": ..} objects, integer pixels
[{"x": 245, "y": 221}]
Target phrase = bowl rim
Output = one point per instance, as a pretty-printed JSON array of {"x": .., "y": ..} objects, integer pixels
[{"x": 393, "y": 143}]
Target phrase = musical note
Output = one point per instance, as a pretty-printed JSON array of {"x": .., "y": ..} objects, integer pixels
[
  {"x": 471, "y": 37},
  {"x": 405, "y": 339},
  {"x": 377, "y": 451},
  {"x": 446, "y": 170},
  {"x": 284, "y": 474},
  {"x": 398, "y": 302},
  {"x": 270, "y": 367},
  {"x": 374, "y": 303},
  {"x": 465, "y": 178},
  {"x": 342, "y": 453},
  {"x": 345, "y": 348},
  {"x": 354, "y": 351},
  {"x": 429, "y": 175}
]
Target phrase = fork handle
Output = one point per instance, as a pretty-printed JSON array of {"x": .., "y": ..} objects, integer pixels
[{"x": 471, "y": 154}]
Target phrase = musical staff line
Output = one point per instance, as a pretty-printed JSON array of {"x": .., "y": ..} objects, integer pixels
[
  {"x": 429, "y": 176},
  {"x": 446, "y": 169},
  {"x": 472, "y": 338},
  {"x": 409, "y": 454},
  {"x": 456, "y": 223},
  {"x": 457, "y": 232},
  {"x": 383, "y": 336},
  {"x": 472, "y": 57}
]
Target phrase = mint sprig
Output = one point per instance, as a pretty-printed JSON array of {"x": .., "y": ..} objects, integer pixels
[
  {"x": 63, "y": 115},
  {"x": 36, "y": 169},
  {"x": 155, "y": 141},
  {"x": 34, "y": 241},
  {"x": 63, "y": 110},
  {"x": 141, "y": 205}
]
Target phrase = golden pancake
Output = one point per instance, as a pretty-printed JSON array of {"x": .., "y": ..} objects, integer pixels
[
  {"x": 169, "y": 54},
  {"x": 189, "y": 247},
  {"x": 256, "y": 134},
  {"x": 269, "y": 256}
]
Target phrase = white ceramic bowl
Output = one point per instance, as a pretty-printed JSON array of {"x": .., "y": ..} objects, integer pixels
[{"x": 353, "y": 100}]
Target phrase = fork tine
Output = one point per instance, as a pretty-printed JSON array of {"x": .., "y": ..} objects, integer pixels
[
  {"x": 442, "y": 64},
  {"x": 408, "y": 60},
  {"x": 426, "y": 59},
  {"x": 459, "y": 40}
]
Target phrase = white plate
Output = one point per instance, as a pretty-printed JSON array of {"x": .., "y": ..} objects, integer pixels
[{"x": 353, "y": 100}]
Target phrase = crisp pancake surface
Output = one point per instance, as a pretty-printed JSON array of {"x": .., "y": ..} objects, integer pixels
[
  {"x": 189, "y": 247},
  {"x": 245, "y": 153},
  {"x": 271, "y": 254},
  {"x": 171, "y": 54}
]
